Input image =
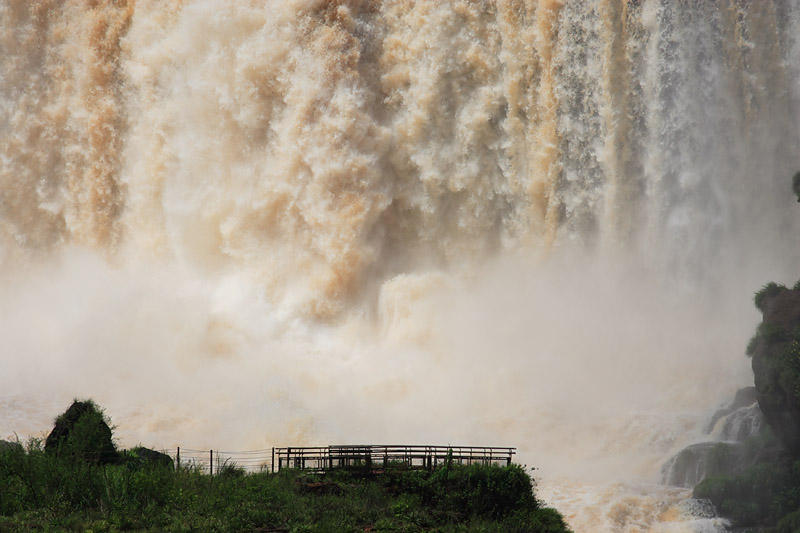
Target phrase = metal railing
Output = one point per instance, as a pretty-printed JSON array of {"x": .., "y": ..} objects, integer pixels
[{"x": 322, "y": 458}]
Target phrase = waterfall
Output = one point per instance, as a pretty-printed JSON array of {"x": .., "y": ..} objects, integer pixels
[{"x": 511, "y": 220}]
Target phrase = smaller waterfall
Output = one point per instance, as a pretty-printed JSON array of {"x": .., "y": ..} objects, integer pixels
[
  {"x": 732, "y": 431},
  {"x": 741, "y": 424}
]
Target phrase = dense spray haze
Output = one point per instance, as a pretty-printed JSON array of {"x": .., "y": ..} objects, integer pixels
[{"x": 245, "y": 224}]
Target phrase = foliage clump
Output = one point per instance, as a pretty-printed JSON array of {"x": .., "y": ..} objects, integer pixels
[
  {"x": 775, "y": 352},
  {"x": 142, "y": 491},
  {"x": 763, "y": 494},
  {"x": 768, "y": 291},
  {"x": 140, "y": 457},
  {"x": 42, "y": 491},
  {"x": 82, "y": 433},
  {"x": 767, "y": 334}
]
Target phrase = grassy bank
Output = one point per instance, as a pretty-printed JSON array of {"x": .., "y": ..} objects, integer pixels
[{"x": 42, "y": 491}]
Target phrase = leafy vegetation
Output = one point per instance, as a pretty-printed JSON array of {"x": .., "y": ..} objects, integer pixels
[
  {"x": 767, "y": 291},
  {"x": 39, "y": 490},
  {"x": 762, "y": 495},
  {"x": 140, "y": 490},
  {"x": 82, "y": 432}
]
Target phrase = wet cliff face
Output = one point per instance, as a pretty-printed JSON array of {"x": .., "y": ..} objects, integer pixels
[{"x": 776, "y": 362}]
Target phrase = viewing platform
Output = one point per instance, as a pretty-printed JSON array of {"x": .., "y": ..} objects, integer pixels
[{"x": 324, "y": 458}]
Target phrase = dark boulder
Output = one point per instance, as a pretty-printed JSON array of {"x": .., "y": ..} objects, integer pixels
[
  {"x": 141, "y": 457},
  {"x": 781, "y": 307},
  {"x": 82, "y": 433},
  {"x": 694, "y": 463}
]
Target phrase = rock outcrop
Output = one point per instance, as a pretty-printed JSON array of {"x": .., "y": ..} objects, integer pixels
[
  {"x": 694, "y": 463},
  {"x": 757, "y": 484},
  {"x": 141, "y": 457},
  {"x": 733, "y": 444},
  {"x": 82, "y": 433},
  {"x": 776, "y": 362},
  {"x": 744, "y": 397}
]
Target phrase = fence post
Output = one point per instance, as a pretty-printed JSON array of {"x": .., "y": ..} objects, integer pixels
[
  {"x": 211, "y": 462},
  {"x": 178, "y": 459},
  {"x": 273, "y": 460}
]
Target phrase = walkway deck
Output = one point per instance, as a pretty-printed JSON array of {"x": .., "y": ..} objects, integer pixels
[{"x": 322, "y": 458}]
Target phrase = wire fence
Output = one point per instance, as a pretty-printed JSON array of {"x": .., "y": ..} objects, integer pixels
[{"x": 216, "y": 461}]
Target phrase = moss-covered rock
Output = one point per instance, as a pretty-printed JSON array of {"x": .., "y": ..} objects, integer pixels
[
  {"x": 699, "y": 461},
  {"x": 82, "y": 433},
  {"x": 776, "y": 362},
  {"x": 763, "y": 489},
  {"x": 738, "y": 438},
  {"x": 761, "y": 496},
  {"x": 140, "y": 457}
]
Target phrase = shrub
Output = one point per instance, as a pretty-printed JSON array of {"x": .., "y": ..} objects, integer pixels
[
  {"x": 762, "y": 494},
  {"x": 140, "y": 457},
  {"x": 484, "y": 491},
  {"x": 82, "y": 432},
  {"x": 63, "y": 486},
  {"x": 753, "y": 344},
  {"x": 769, "y": 290},
  {"x": 789, "y": 377},
  {"x": 230, "y": 469},
  {"x": 789, "y": 523},
  {"x": 772, "y": 333},
  {"x": 768, "y": 334},
  {"x": 44, "y": 491}
]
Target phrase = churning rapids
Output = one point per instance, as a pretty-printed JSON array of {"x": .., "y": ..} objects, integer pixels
[{"x": 511, "y": 222}]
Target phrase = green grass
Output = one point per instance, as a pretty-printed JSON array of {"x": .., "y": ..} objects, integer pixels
[{"x": 49, "y": 493}]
